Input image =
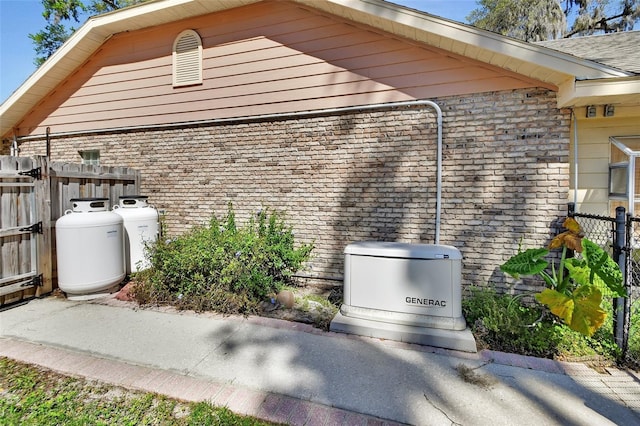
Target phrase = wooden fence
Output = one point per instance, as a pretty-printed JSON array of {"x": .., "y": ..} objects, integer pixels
[{"x": 34, "y": 193}]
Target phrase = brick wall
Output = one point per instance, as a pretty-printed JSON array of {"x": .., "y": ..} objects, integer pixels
[{"x": 365, "y": 176}]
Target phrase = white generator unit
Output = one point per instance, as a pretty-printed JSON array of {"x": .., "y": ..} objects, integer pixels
[{"x": 404, "y": 292}]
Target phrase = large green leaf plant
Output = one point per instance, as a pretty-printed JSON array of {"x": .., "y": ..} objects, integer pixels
[{"x": 575, "y": 287}]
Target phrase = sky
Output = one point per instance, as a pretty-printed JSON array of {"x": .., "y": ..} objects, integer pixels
[{"x": 19, "y": 18}]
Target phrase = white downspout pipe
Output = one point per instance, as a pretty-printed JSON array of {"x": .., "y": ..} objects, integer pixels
[
  {"x": 14, "y": 151},
  {"x": 575, "y": 160},
  {"x": 287, "y": 115}
]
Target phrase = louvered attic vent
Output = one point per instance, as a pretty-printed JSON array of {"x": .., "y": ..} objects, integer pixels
[{"x": 187, "y": 59}]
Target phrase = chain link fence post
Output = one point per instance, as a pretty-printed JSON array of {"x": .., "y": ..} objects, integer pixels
[
  {"x": 619, "y": 256},
  {"x": 629, "y": 281}
]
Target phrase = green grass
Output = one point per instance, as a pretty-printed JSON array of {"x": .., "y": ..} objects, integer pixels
[{"x": 36, "y": 396}]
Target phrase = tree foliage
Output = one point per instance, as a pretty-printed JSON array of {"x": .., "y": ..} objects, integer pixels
[
  {"x": 60, "y": 15},
  {"x": 523, "y": 19},
  {"x": 537, "y": 20}
]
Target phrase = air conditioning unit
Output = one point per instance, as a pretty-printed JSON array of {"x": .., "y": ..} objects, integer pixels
[{"x": 404, "y": 292}]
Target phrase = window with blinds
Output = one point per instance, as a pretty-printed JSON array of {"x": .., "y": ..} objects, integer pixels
[{"x": 187, "y": 59}]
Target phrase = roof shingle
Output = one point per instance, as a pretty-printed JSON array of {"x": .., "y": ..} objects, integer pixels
[{"x": 619, "y": 50}]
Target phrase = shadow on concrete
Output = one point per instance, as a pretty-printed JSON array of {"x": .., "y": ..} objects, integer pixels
[{"x": 409, "y": 383}]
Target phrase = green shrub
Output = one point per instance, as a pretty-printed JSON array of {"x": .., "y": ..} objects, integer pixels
[
  {"x": 222, "y": 267},
  {"x": 503, "y": 322}
]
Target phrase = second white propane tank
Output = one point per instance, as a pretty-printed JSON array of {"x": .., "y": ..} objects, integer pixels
[{"x": 141, "y": 228}]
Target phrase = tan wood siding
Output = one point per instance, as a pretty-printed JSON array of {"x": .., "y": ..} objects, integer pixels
[
  {"x": 593, "y": 155},
  {"x": 266, "y": 58}
]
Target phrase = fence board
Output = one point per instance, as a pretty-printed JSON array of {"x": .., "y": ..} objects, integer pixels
[
  {"x": 79, "y": 181},
  {"x": 26, "y": 201},
  {"x": 16, "y": 200},
  {"x": 71, "y": 190},
  {"x": 8, "y": 203},
  {"x": 26, "y": 216},
  {"x": 45, "y": 241}
]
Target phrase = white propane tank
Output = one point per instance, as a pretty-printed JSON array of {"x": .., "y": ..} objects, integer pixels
[
  {"x": 90, "y": 249},
  {"x": 141, "y": 228}
]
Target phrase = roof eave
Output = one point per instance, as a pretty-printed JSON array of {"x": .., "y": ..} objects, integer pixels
[
  {"x": 623, "y": 90},
  {"x": 467, "y": 40}
]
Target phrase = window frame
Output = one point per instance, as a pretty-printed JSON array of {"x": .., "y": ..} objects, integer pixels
[{"x": 90, "y": 157}]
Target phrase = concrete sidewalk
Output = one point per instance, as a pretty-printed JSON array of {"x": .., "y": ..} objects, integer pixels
[{"x": 292, "y": 373}]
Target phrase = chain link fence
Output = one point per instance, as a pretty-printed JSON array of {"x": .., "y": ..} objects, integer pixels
[
  {"x": 620, "y": 237},
  {"x": 599, "y": 229},
  {"x": 632, "y": 304}
]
